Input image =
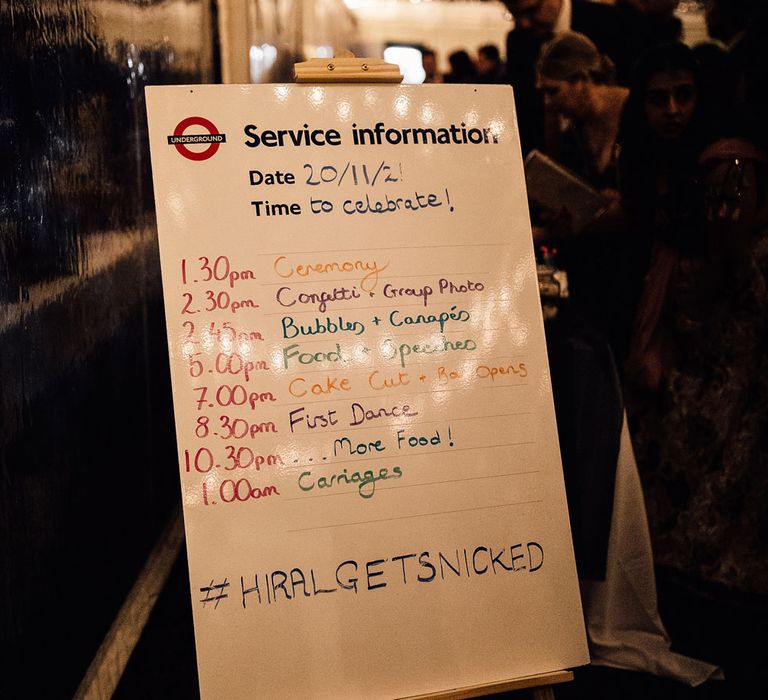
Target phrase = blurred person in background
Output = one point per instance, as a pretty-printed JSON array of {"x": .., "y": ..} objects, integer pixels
[
  {"x": 490, "y": 67},
  {"x": 577, "y": 83},
  {"x": 615, "y": 30},
  {"x": 462, "y": 68},
  {"x": 665, "y": 125},
  {"x": 429, "y": 63}
]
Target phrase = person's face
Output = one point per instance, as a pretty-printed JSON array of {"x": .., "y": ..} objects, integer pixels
[
  {"x": 535, "y": 16},
  {"x": 484, "y": 64},
  {"x": 670, "y": 101},
  {"x": 566, "y": 97}
]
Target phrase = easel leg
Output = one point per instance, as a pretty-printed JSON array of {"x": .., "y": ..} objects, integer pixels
[{"x": 543, "y": 693}]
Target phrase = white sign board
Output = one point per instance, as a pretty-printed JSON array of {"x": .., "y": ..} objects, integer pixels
[{"x": 371, "y": 479}]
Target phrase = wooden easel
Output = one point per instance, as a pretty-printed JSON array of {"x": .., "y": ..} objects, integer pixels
[{"x": 346, "y": 68}]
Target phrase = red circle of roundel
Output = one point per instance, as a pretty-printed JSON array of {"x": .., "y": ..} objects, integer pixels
[{"x": 183, "y": 125}]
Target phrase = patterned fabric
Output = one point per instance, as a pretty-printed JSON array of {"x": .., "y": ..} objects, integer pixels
[{"x": 702, "y": 440}]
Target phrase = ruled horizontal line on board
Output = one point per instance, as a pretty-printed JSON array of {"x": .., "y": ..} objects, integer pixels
[
  {"x": 380, "y": 277},
  {"x": 418, "y": 515},
  {"x": 379, "y": 457},
  {"x": 351, "y": 308},
  {"x": 398, "y": 334},
  {"x": 378, "y": 426},
  {"x": 413, "y": 486},
  {"x": 410, "y": 393},
  {"x": 366, "y": 250},
  {"x": 413, "y": 367}
]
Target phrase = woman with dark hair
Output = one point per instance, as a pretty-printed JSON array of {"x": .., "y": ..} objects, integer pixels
[{"x": 664, "y": 127}]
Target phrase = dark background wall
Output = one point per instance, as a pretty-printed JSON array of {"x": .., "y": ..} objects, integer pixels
[{"x": 88, "y": 471}]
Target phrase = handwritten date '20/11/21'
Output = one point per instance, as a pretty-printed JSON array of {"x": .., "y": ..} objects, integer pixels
[{"x": 381, "y": 173}]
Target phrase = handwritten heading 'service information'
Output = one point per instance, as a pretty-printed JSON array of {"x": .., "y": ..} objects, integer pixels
[{"x": 369, "y": 465}]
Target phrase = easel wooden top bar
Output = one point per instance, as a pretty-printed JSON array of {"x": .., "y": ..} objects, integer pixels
[{"x": 347, "y": 68}]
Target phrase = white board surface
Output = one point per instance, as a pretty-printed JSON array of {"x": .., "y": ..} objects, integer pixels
[{"x": 371, "y": 480}]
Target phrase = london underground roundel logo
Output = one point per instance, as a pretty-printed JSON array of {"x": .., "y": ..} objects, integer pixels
[{"x": 180, "y": 139}]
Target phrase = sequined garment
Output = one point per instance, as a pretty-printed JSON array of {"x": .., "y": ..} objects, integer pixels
[{"x": 702, "y": 441}]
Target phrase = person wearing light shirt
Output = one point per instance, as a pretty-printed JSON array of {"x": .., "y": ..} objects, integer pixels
[{"x": 615, "y": 29}]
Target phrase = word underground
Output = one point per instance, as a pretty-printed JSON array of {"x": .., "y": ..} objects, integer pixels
[
  {"x": 290, "y": 584},
  {"x": 449, "y": 136}
]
